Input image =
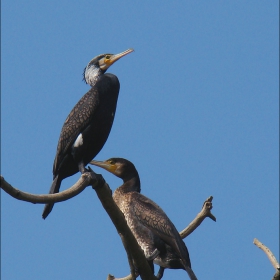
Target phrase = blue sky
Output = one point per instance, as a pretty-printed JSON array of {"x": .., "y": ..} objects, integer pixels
[{"x": 198, "y": 115}]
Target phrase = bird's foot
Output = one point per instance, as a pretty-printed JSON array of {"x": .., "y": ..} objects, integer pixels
[
  {"x": 153, "y": 255},
  {"x": 99, "y": 179}
]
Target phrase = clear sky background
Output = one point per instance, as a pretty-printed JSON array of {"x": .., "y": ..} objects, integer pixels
[{"x": 198, "y": 115}]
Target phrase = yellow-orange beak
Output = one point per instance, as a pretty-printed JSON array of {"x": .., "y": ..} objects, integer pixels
[
  {"x": 105, "y": 165},
  {"x": 110, "y": 59}
]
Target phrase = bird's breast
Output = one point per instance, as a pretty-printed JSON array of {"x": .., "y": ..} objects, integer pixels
[{"x": 143, "y": 235}]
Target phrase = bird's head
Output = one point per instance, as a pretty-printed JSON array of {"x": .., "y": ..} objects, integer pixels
[
  {"x": 99, "y": 65},
  {"x": 120, "y": 167}
]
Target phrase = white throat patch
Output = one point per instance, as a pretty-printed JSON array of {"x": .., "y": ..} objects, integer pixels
[{"x": 91, "y": 75}]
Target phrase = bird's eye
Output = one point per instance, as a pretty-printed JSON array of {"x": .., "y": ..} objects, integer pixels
[
  {"x": 107, "y": 57},
  {"x": 111, "y": 161}
]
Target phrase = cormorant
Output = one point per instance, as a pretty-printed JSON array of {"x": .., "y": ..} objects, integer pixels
[
  {"x": 153, "y": 230},
  {"x": 88, "y": 125}
]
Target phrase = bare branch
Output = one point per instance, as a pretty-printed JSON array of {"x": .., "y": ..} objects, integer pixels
[
  {"x": 270, "y": 256},
  {"x": 205, "y": 212},
  {"x": 85, "y": 180}
]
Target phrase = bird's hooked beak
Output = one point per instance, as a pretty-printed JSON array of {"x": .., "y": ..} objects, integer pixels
[
  {"x": 109, "y": 59},
  {"x": 105, "y": 165}
]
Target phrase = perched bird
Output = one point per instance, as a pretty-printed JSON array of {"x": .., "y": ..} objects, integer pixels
[
  {"x": 153, "y": 230},
  {"x": 88, "y": 125}
]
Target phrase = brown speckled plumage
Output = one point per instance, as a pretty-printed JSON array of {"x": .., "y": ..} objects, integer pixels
[{"x": 153, "y": 230}]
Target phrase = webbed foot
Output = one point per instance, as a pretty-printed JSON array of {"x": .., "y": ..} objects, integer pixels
[{"x": 153, "y": 255}]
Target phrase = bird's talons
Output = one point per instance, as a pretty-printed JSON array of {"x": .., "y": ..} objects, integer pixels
[
  {"x": 90, "y": 170},
  {"x": 153, "y": 255},
  {"x": 100, "y": 180},
  {"x": 97, "y": 179}
]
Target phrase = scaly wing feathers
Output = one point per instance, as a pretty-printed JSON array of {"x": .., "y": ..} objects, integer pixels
[
  {"x": 76, "y": 122},
  {"x": 153, "y": 217}
]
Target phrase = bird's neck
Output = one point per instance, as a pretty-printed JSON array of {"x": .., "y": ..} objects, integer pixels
[
  {"x": 131, "y": 184},
  {"x": 92, "y": 75}
]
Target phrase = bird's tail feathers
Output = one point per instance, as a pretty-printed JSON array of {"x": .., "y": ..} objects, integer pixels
[
  {"x": 191, "y": 273},
  {"x": 54, "y": 189}
]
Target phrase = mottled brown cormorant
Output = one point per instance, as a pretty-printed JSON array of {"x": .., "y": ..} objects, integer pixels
[
  {"x": 153, "y": 230},
  {"x": 88, "y": 125}
]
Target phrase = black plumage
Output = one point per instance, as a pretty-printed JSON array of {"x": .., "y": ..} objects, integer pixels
[
  {"x": 88, "y": 125},
  {"x": 153, "y": 230}
]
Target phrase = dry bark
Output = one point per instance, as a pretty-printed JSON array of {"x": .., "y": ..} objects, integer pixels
[
  {"x": 85, "y": 180},
  {"x": 271, "y": 257}
]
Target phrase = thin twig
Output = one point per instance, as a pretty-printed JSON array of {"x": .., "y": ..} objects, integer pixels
[{"x": 205, "y": 212}]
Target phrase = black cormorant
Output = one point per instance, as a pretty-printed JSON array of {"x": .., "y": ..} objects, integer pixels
[
  {"x": 153, "y": 230},
  {"x": 88, "y": 125}
]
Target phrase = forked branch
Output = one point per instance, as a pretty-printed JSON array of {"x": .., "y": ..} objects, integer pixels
[{"x": 204, "y": 213}]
